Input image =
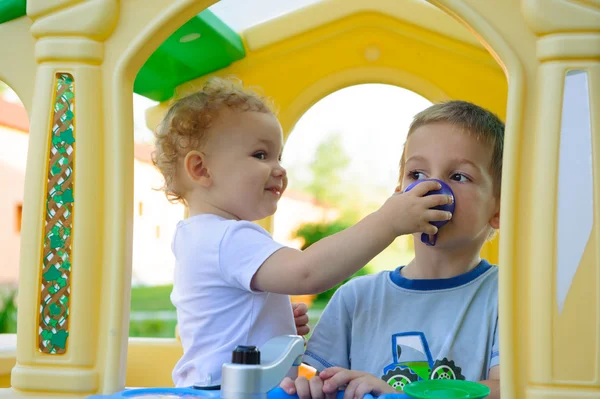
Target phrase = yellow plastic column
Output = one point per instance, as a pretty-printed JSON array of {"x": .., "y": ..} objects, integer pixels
[
  {"x": 61, "y": 286},
  {"x": 562, "y": 335}
]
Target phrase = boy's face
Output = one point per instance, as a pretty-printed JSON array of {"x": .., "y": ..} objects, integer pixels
[
  {"x": 243, "y": 154},
  {"x": 444, "y": 151}
]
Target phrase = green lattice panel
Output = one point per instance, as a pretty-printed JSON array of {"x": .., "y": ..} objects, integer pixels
[{"x": 56, "y": 264}]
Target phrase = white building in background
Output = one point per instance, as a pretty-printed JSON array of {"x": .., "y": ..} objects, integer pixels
[
  {"x": 154, "y": 217},
  {"x": 154, "y": 223},
  {"x": 14, "y": 137}
]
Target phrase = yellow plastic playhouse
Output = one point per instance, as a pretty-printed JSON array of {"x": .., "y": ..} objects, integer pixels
[{"x": 75, "y": 64}]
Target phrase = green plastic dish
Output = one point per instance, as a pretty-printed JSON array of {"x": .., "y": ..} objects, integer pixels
[{"x": 446, "y": 389}]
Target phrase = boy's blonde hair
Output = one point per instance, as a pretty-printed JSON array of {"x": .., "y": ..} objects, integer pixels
[
  {"x": 185, "y": 126},
  {"x": 478, "y": 121}
]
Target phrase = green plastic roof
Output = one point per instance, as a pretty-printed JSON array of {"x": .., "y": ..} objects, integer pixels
[
  {"x": 202, "y": 45},
  {"x": 12, "y": 9}
]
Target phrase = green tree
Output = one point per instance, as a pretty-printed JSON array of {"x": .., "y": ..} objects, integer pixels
[
  {"x": 8, "y": 311},
  {"x": 329, "y": 161}
]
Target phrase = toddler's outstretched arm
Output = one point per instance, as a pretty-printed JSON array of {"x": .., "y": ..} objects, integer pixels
[{"x": 332, "y": 259}]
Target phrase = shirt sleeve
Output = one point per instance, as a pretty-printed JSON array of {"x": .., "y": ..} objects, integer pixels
[
  {"x": 495, "y": 355},
  {"x": 244, "y": 248},
  {"x": 329, "y": 344}
]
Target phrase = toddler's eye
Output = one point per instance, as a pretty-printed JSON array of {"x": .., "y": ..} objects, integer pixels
[
  {"x": 260, "y": 155},
  {"x": 459, "y": 177}
]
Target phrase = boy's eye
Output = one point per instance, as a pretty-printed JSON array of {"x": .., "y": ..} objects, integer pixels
[
  {"x": 260, "y": 155},
  {"x": 416, "y": 175},
  {"x": 459, "y": 177}
]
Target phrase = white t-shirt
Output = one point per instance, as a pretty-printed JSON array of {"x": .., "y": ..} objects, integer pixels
[{"x": 216, "y": 259}]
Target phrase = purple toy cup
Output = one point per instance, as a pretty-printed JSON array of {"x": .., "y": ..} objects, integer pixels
[{"x": 446, "y": 190}]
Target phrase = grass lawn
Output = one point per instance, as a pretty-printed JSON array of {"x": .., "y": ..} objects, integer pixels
[
  {"x": 156, "y": 299},
  {"x": 150, "y": 299}
]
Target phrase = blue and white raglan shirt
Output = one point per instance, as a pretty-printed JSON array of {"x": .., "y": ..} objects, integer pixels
[{"x": 403, "y": 330}]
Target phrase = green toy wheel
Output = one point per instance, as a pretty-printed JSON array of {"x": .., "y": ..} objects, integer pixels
[
  {"x": 446, "y": 389},
  {"x": 400, "y": 378},
  {"x": 445, "y": 370}
]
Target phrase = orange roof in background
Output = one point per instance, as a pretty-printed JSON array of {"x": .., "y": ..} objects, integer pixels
[
  {"x": 305, "y": 197},
  {"x": 143, "y": 152},
  {"x": 14, "y": 116}
]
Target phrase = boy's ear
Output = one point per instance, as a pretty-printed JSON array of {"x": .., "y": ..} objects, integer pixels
[
  {"x": 195, "y": 167},
  {"x": 495, "y": 220}
]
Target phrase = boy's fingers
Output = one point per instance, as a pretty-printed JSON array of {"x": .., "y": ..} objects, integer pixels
[
  {"x": 339, "y": 380},
  {"x": 330, "y": 372},
  {"x": 302, "y": 388},
  {"x": 350, "y": 391},
  {"x": 288, "y": 386},
  {"x": 316, "y": 388},
  {"x": 362, "y": 389}
]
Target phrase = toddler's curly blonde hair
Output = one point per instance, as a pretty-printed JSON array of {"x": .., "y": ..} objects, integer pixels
[{"x": 185, "y": 126}]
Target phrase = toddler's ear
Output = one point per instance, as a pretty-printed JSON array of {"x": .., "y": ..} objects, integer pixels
[{"x": 195, "y": 167}]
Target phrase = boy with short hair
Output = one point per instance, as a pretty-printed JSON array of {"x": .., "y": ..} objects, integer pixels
[{"x": 436, "y": 317}]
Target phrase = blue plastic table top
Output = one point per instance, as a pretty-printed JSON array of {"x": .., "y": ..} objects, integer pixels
[{"x": 190, "y": 393}]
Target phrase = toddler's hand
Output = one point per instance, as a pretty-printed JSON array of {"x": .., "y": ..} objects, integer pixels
[
  {"x": 301, "y": 318},
  {"x": 411, "y": 212},
  {"x": 357, "y": 383}
]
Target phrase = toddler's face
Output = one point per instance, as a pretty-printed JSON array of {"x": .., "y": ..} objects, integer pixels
[
  {"x": 243, "y": 155},
  {"x": 444, "y": 151}
]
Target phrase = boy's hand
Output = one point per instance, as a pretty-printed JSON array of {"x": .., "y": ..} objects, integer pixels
[
  {"x": 411, "y": 212},
  {"x": 301, "y": 318},
  {"x": 306, "y": 389},
  {"x": 358, "y": 383}
]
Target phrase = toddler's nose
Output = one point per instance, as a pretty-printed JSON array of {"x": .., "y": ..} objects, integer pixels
[{"x": 279, "y": 172}]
